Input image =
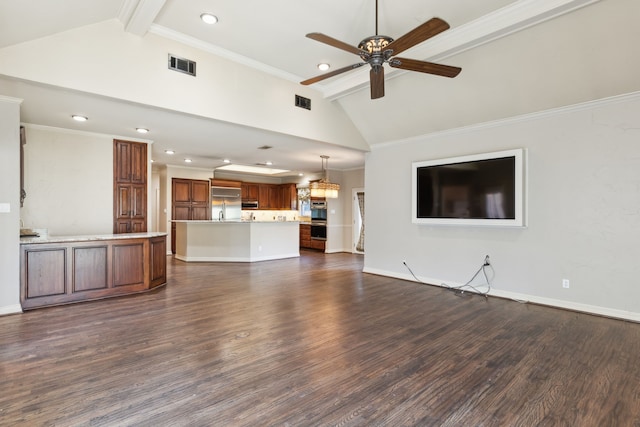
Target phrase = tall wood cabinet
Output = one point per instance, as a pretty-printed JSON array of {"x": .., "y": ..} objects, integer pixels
[
  {"x": 189, "y": 201},
  {"x": 129, "y": 187}
]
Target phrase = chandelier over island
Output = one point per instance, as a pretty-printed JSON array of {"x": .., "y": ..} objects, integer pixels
[{"x": 323, "y": 187}]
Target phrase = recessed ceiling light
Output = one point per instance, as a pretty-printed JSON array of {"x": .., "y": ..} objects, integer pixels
[
  {"x": 169, "y": 151},
  {"x": 268, "y": 163},
  {"x": 78, "y": 118},
  {"x": 323, "y": 66},
  {"x": 142, "y": 130},
  {"x": 188, "y": 160},
  {"x": 300, "y": 174},
  {"x": 152, "y": 160},
  {"x": 208, "y": 18},
  {"x": 227, "y": 161}
]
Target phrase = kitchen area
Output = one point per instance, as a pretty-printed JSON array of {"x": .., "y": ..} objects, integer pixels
[{"x": 220, "y": 220}]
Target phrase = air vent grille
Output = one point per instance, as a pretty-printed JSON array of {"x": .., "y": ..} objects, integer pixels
[
  {"x": 182, "y": 65},
  {"x": 303, "y": 102}
]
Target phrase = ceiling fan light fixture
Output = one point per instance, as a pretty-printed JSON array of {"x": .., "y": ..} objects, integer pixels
[
  {"x": 324, "y": 187},
  {"x": 375, "y": 44}
]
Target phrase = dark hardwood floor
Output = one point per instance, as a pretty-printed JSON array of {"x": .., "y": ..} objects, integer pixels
[{"x": 309, "y": 342}]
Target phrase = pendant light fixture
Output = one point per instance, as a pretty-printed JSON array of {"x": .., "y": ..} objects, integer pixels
[{"x": 323, "y": 187}]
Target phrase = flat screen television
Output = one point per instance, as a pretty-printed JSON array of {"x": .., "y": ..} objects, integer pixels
[{"x": 480, "y": 189}]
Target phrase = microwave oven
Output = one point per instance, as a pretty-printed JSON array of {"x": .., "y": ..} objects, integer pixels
[{"x": 318, "y": 204}]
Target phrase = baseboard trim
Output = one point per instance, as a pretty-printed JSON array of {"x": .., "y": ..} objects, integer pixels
[
  {"x": 235, "y": 259},
  {"x": 10, "y": 309},
  {"x": 534, "y": 299}
]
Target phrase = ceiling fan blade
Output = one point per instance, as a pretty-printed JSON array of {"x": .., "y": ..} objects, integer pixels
[
  {"x": 336, "y": 43},
  {"x": 376, "y": 78},
  {"x": 332, "y": 73},
  {"x": 419, "y": 34},
  {"x": 425, "y": 67}
]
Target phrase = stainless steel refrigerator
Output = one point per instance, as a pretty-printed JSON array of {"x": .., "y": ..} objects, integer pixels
[{"x": 226, "y": 203}]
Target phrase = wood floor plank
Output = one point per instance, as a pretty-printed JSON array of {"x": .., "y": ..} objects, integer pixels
[{"x": 313, "y": 341}]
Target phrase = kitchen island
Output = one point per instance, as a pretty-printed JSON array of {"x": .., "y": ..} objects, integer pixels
[
  {"x": 64, "y": 269},
  {"x": 236, "y": 241}
]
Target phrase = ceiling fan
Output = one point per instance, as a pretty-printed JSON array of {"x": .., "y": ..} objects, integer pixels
[{"x": 378, "y": 50}]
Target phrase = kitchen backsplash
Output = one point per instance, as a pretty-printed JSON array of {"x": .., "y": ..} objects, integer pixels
[{"x": 279, "y": 215}]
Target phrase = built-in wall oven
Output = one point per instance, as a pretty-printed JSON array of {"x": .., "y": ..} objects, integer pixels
[
  {"x": 319, "y": 230},
  {"x": 318, "y": 220}
]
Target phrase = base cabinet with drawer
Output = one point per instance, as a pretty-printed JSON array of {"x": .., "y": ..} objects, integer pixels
[
  {"x": 53, "y": 273},
  {"x": 307, "y": 242}
]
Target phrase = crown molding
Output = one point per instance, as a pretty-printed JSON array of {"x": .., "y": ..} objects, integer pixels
[
  {"x": 512, "y": 120},
  {"x": 84, "y": 133}
]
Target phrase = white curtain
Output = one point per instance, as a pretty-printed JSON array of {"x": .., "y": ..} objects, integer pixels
[{"x": 360, "y": 245}]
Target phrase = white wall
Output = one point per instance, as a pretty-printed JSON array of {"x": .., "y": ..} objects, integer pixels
[
  {"x": 10, "y": 194},
  {"x": 90, "y": 59},
  {"x": 583, "y": 210},
  {"x": 69, "y": 181}
]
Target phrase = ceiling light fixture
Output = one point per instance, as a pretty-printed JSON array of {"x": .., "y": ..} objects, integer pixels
[
  {"x": 78, "y": 118},
  {"x": 142, "y": 130},
  {"x": 169, "y": 151},
  {"x": 209, "y": 18},
  {"x": 268, "y": 163},
  {"x": 227, "y": 161},
  {"x": 324, "y": 187},
  {"x": 323, "y": 66},
  {"x": 188, "y": 160}
]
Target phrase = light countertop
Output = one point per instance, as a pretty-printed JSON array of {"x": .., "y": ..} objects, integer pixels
[{"x": 88, "y": 237}]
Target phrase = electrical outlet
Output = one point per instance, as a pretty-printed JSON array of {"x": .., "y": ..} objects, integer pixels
[{"x": 565, "y": 283}]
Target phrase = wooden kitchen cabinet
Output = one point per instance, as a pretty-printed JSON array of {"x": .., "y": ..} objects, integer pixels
[
  {"x": 66, "y": 271},
  {"x": 190, "y": 200},
  {"x": 289, "y": 196},
  {"x": 306, "y": 242},
  {"x": 271, "y": 196},
  {"x": 130, "y": 162},
  {"x": 249, "y": 191},
  {"x": 129, "y": 187}
]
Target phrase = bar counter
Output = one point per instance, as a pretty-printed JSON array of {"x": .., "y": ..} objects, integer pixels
[{"x": 58, "y": 270}]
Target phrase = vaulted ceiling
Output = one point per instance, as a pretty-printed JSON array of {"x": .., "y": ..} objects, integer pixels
[{"x": 517, "y": 57}]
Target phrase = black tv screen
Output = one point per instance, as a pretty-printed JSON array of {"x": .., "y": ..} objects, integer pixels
[{"x": 483, "y": 189}]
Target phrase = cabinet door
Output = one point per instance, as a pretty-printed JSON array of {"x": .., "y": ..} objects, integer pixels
[
  {"x": 275, "y": 197},
  {"x": 200, "y": 192},
  {"x": 123, "y": 201},
  {"x": 181, "y": 190},
  {"x": 250, "y": 191},
  {"x": 289, "y": 197},
  {"x": 138, "y": 163},
  {"x": 200, "y": 212},
  {"x": 138, "y": 202},
  {"x": 122, "y": 161},
  {"x": 264, "y": 201}
]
